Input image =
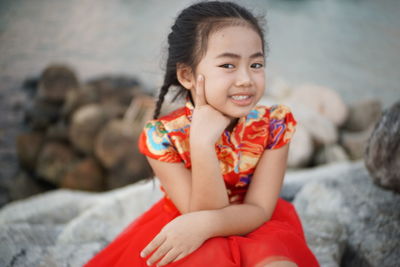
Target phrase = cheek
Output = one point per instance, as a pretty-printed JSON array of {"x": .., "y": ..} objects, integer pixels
[{"x": 260, "y": 81}]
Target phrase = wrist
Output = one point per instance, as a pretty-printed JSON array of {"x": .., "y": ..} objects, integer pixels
[{"x": 204, "y": 219}]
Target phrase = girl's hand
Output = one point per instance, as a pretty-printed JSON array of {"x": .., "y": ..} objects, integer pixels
[
  {"x": 207, "y": 122},
  {"x": 177, "y": 239}
]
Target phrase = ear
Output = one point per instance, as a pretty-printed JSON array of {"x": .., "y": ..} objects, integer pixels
[{"x": 185, "y": 76}]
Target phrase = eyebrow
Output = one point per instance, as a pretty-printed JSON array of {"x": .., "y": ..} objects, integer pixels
[{"x": 232, "y": 55}]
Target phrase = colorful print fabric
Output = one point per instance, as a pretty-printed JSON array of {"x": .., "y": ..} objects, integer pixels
[{"x": 167, "y": 139}]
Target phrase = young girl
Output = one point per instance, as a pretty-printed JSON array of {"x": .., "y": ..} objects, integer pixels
[{"x": 220, "y": 159}]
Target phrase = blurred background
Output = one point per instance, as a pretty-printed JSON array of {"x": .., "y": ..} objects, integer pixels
[{"x": 349, "y": 46}]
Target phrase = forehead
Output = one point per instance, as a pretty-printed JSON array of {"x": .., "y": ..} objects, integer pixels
[{"x": 241, "y": 40}]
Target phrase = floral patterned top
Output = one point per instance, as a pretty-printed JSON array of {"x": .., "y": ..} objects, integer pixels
[{"x": 238, "y": 152}]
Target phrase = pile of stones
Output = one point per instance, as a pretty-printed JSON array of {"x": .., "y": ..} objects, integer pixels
[
  {"x": 328, "y": 130},
  {"x": 82, "y": 135}
]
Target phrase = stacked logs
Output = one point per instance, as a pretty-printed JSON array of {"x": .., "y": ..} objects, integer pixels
[{"x": 84, "y": 135}]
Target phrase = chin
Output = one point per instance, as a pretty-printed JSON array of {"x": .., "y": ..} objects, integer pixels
[{"x": 238, "y": 115}]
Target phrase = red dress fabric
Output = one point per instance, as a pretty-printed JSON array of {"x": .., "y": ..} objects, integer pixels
[{"x": 167, "y": 139}]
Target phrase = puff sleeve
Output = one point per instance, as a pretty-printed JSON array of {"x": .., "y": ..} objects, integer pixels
[
  {"x": 154, "y": 142},
  {"x": 281, "y": 126}
]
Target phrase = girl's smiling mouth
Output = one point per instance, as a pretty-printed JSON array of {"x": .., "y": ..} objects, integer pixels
[{"x": 241, "y": 99}]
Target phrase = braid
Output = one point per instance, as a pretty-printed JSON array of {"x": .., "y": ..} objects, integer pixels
[{"x": 163, "y": 92}]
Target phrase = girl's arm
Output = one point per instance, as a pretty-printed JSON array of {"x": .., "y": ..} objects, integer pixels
[
  {"x": 260, "y": 200},
  {"x": 187, "y": 232},
  {"x": 202, "y": 188},
  {"x": 208, "y": 190},
  {"x": 190, "y": 190}
]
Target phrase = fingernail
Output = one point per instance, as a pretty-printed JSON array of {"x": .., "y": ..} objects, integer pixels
[
  {"x": 142, "y": 254},
  {"x": 200, "y": 78},
  {"x": 148, "y": 263}
]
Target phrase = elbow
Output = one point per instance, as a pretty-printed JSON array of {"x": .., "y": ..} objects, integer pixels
[{"x": 263, "y": 214}]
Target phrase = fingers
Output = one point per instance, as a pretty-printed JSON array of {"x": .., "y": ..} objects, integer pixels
[
  {"x": 159, "y": 253},
  {"x": 180, "y": 256},
  {"x": 200, "y": 92},
  {"x": 170, "y": 257},
  {"x": 155, "y": 243}
]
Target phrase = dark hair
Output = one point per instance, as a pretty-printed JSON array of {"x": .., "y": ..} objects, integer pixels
[{"x": 187, "y": 41}]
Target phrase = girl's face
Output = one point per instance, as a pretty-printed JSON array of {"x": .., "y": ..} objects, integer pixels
[{"x": 233, "y": 68}]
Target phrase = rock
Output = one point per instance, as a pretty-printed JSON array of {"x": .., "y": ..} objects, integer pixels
[
  {"x": 41, "y": 114},
  {"x": 363, "y": 114},
  {"x": 4, "y": 195},
  {"x": 115, "y": 90},
  {"x": 127, "y": 171},
  {"x": 35, "y": 233},
  {"x": 330, "y": 154},
  {"x": 23, "y": 185},
  {"x": 55, "y": 82},
  {"x": 108, "y": 218},
  {"x": 295, "y": 180},
  {"x": 28, "y": 146},
  {"x": 116, "y": 147},
  {"x": 323, "y": 101},
  {"x": 54, "y": 160},
  {"x": 69, "y": 255},
  {"x": 267, "y": 101},
  {"x": 355, "y": 142},
  {"x": 326, "y": 238},
  {"x": 351, "y": 201},
  {"x": 45, "y": 208},
  {"x": 86, "y": 175},
  {"x": 86, "y": 123},
  {"x": 301, "y": 148},
  {"x": 75, "y": 99},
  {"x": 58, "y": 132},
  {"x": 114, "y": 136},
  {"x": 323, "y": 131},
  {"x": 382, "y": 155},
  {"x": 279, "y": 89},
  {"x": 24, "y": 244}
]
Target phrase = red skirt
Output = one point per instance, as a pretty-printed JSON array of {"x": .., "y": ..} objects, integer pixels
[{"x": 280, "y": 238}]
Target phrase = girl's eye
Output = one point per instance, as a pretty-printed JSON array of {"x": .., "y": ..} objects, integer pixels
[
  {"x": 257, "y": 65},
  {"x": 227, "y": 66}
]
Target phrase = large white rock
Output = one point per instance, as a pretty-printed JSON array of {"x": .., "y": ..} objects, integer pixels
[
  {"x": 279, "y": 88},
  {"x": 323, "y": 101},
  {"x": 301, "y": 148},
  {"x": 321, "y": 129}
]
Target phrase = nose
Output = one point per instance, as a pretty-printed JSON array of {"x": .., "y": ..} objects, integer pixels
[{"x": 243, "y": 78}]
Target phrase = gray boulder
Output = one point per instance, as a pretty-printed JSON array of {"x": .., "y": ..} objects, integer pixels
[
  {"x": 382, "y": 155},
  {"x": 349, "y": 221},
  {"x": 66, "y": 227},
  {"x": 295, "y": 180}
]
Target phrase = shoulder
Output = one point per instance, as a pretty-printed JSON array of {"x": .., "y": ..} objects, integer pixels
[
  {"x": 166, "y": 123},
  {"x": 164, "y": 138},
  {"x": 274, "y": 125},
  {"x": 177, "y": 119},
  {"x": 271, "y": 113},
  {"x": 281, "y": 125}
]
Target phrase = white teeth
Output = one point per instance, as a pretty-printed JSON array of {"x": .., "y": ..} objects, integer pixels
[{"x": 240, "y": 97}]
